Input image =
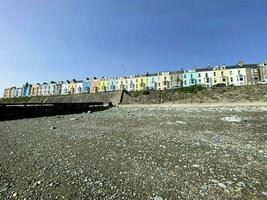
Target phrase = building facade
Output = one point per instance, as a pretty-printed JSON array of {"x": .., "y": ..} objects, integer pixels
[
  {"x": 189, "y": 78},
  {"x": 204, "y": 77}
]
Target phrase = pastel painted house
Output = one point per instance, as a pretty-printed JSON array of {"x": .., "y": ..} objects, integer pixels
[
  {"x": 103, "y": 85},
  {"x": 86, "y": 87},
  {"x": 152, "y": 81},
  {"x": 221, "y": 75},
  {"x": 121, "y": 83},
  {"x": 75, "y": 87},
  {"x": 131, "y": 83},
  {"x": 176, "y": 79},
  {"x": 112, "y": 84},
  {"x": 35, "y": 89},
  {"x": 26, "y": 89},
  {"x": 7, "y": 93},
  {"x": 95, "y": 85},
  {"x": 205, "y": 77},
  {"x": 164, "y": 81},
  {"x": 54, "y": 88},
  {"x": 189, "y": 78},
  {"x": 140, "y": 82}
]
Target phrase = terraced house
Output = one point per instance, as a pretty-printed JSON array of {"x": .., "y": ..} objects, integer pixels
[
  {"x": 236, "y": 75},
  {"x": 189, "y": 78},
  {"x": 94, "y": 85},
  {"x": 35, "y": 89},
  {"x": 205, "y": 76},
  {"x": 86, "y": 86},
  {"x": 103, "y": 85},
  {"x": 54, "y": 88},
  {"x": 220, "y": 75},
  {"x": 26, "y": 89}
]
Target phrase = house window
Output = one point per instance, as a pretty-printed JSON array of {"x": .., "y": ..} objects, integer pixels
[
  {"x": 215, "y": 81},
  {"x": 185, "y": 82},
  {"x": 231, "y": 73},
  {"x": 199, "y": 80},
  {"x": 206, "y": 74},
  {"x": 223, "y": 80},
  {"x": 241, "y": 79},
  {"x": 199, "y": 75},
  {"x": 231, "y": 79},
  {"x": 222, "y": 73},
  {"x": 191, "y": 75},
  {"x": 214, "y": 73},
  {"x": 184, "y": 76}
]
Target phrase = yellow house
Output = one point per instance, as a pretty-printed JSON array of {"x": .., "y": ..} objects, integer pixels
[
  {"x": 75, "y": 87},
  {"x": 140, "y": 83},
  {"x": 220, "y": 75},
  {"x": 103, "y": 85},
  {"x": 35, "y": 89}
]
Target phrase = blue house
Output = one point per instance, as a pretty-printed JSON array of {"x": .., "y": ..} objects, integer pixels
[
  {"x": 86, "y": 86},
  {"x": 189, "y": 78},
  {"x": 26, "y": 89},
  {"x": 111, "y": 84}
]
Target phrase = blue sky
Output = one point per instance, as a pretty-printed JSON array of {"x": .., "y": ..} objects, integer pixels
[{"x": 55, "y": 40}]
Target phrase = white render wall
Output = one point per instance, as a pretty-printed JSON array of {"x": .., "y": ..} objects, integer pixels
[
  {"x": 238, "y": 76},
  {"x": 205, "y": 78}
]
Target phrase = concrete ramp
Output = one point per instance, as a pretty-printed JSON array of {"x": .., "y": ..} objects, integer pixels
[{"x": 105, "y": 97}]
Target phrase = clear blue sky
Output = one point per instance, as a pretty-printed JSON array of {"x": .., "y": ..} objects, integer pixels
[{"x": 44, "y": 40}]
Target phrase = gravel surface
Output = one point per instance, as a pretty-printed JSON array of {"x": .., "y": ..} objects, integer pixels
[{"x": 137, "y": 153}]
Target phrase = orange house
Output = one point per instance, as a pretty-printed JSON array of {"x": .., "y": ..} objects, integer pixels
[{"x": 94, "y": 86}]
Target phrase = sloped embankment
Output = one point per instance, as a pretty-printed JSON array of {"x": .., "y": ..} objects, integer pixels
[
  {"x": 114, "y": 97},
  {"x": 256, "y": 93}
]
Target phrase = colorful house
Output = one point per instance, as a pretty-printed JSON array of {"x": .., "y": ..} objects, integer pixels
[
  {"x": 26, "y": 89},
  {"x": 189, "y": 78},
  {"x": 103, "y": 85},
  {"x": 205, "y": 77},
  {"x": 7, "y": 93},
  {"x": 121, "y": 83},
  {"x": 111, "y": 84},
  {"x": 151, "y": 82},
  {"x": 140, "y": 82},
  {"x": 54, "y": 88},
  {"x": 164, "y": 80},
  {"x": 176, "y": 79},
  {"x": 35, "y": 89},
  {"x": 86, "y": 86},
  {"x": 221, "y": 75},
  {"x": 95, "y": 85}
]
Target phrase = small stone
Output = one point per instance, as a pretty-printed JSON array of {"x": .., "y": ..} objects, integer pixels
[
  {"x": 73, "y": 118},
  {"x": 264, "y": 193},
  {"x": 222, "y": 185},
  {"x": 15, "y": 194},
  {"x": 53, "y": 128},
  {"x": 196, "y": 165},
  {"x": 38, "y": 182},
  {"x": 158, "y": 198}
]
